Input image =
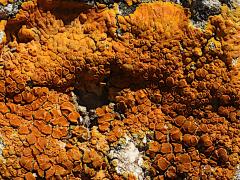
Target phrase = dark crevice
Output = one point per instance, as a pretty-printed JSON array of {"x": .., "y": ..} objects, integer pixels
[
  {"x": 87, "y": 99},
  {"x": 92, "y": 96},
  {"x": 91, "y": 100}
]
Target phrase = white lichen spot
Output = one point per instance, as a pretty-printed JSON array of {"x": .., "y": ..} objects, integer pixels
[
  {"x": 2, "y": 34},
  {"x": 198, "y": 24},
  {"x": 144, "y": 139},
  {"x": 74, "y": 99},
  {"x": 9, "y": 7},
  {"x": 34, "y": 174},
  {"x": 2, "y": 146},
  {"x": 237, "y": 173},
  {"x": 234, "y": 61},
  {"x": 61, "y": 144},
  {"x": 128, "y": 159},
  {"x": 81, "y": 119}
]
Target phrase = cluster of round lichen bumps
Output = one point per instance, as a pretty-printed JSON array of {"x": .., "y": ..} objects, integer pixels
[{"x": 174, "y": 91}]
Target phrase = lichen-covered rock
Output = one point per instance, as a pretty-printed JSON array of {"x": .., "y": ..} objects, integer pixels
[{"x": 114, "y": 90}]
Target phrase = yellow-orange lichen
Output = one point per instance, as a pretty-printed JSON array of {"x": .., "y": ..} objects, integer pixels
[{"x": 175, "y": 89}]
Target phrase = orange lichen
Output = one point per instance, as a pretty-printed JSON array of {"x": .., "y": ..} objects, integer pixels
[
  {"x": 36, "y": 141},
  {"x": 175, "y": 90}
]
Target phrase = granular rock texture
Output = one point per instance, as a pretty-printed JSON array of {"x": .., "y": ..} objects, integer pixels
[{"x": 119, "y": 90}]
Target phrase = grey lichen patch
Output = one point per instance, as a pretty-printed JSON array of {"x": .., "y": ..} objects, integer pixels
[
  {"x": 2, "y": 146},
  {"x": 10, "y": 10},
  {"x": 202, "y": 9},
  {"x": 125, "y": 9}
]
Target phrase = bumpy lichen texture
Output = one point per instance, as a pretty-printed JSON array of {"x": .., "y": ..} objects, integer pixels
[{"x": 172, "y": 93}]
